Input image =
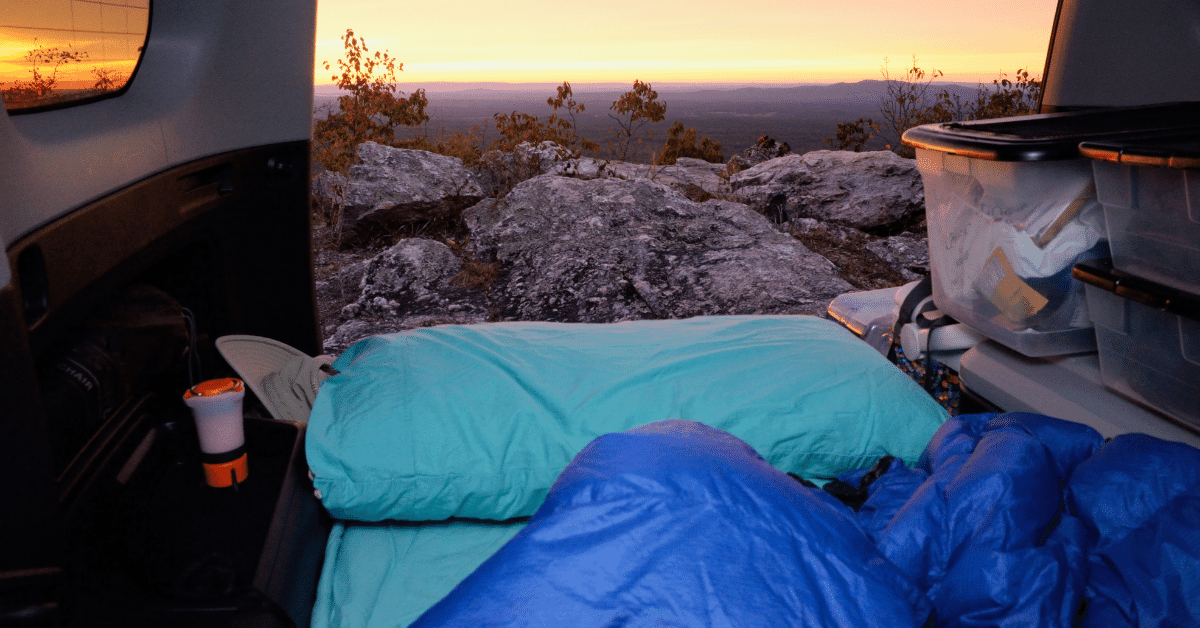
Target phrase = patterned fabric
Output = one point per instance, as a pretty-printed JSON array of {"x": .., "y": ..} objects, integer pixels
[{"x": 939, "y": 380}]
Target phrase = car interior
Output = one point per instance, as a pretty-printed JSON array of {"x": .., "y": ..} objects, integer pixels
[
  {"x": 142, "y": 224},
  {"x": 187, "y": 189}
]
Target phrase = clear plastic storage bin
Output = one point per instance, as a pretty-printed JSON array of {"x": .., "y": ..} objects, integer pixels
[
  {"x": 1148, "y": 338},
  {"x": 1150, "y": 189},
  {"x": 1011, "y": 207}
]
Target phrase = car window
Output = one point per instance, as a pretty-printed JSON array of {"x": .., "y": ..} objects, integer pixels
[{"x": 56, "y": 53}]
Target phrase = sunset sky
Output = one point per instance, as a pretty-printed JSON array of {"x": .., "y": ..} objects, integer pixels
[
  {"x": 102, "y": 38},
  {"x": 105, "y": 34},
  {"x": 703, "y": 41}
]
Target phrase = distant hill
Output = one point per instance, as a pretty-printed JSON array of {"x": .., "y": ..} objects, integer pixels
[
  {"x": 441, "y": 87},
  {"x": 801, "y": 115},
  {"x": 805, "y": 92}
]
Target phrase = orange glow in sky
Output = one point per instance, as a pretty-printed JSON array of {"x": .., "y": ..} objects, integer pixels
[
  {"x": 100, "y": 34},
  {"x": 702, "y": 41},
  {"x": 750, "y": 41}
]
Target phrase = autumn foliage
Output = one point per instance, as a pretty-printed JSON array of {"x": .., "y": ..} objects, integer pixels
[
  {"x": 635, "y": 109},
  {"x": 515, "y": 128},
  {"x": 371, "y": 108},
  {"x": 682, "y": 143}
]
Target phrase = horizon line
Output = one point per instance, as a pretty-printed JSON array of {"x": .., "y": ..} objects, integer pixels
[{"x": 626, "y": 85}]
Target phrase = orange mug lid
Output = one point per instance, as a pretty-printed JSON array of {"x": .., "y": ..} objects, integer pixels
[{"x": 214, "y": 387}]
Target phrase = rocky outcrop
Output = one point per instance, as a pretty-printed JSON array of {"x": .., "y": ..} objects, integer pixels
[
  {"x": 696, "y": 179},
  {"x": 392, "y": 187},
  {"x": 868, "y": 191},
  {"x": 610, "y": 250},
  {"x": 416, "y": 277},
  {"x": 580, "y": 239},
  {"x": 499, "y": 171},
  {"x": 907, "y": 253},
  {"x": 415, "y": 283},
  {"x": 764, "y": 149}
]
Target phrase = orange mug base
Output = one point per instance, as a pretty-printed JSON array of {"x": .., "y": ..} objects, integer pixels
[{"x": 226, "y": 474}]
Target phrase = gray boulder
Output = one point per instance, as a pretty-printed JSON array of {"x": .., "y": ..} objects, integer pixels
[
  {"x": 415, "y": 283},
  {"x": 869, "y": 190},
  {"x": 765, "y": 148},
  {"x": 586, "y": 168},
  {"x": 392, "y": 187},
  {"x": 697, "y": 179},
  {"x": 609, "y": 250},
  {"x": 907, "y": 254},
  {"x": 499, "y": 171}
]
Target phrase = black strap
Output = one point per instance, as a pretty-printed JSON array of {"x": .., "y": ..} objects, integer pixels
[
  {"x": 856, "y": 496},
  {"x": 852, "y": 496},
  {"x": 919, "y": 292}
]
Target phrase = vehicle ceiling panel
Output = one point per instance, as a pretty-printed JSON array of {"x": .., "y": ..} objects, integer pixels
[{"x": 1116, "y": 53}]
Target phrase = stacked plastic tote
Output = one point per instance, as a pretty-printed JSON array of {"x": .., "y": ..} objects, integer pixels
[
  {"x": 1146, "y": 304},
  {"x": 1024, "y": 212}
]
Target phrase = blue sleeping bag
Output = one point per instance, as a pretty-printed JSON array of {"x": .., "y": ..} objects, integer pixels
[
  {"x": 680, "y": 524},
  {"x": 1025, "y": 520},
  {"x": 1007, "y": 520},
  {"x": 979, "y": 524},
  {"x": 1139, "y": 498}
]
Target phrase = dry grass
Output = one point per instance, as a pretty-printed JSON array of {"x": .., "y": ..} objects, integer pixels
[
  {"x": 858, "y": 265},
  {"x": 476, "y": 274}
]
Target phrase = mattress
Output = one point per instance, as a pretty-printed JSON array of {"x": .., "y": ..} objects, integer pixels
[
  {"x": 388, "y": 574},
  {"x": 429, "y": 443}
]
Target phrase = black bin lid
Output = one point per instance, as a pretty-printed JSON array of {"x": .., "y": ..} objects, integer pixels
[
  {"x": 1049, "y": 136},
  {"x": 1174, "y": 150}
]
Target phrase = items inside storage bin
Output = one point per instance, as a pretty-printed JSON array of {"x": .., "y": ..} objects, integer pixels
[
  {"x": 1002, "y": 239},
  {"x": 1011, "y": 208}
]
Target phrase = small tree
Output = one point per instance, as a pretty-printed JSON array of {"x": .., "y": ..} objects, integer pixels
[
  {"x": 516, "y": 128},
  {"x": 1016, "y": 97},
  {"x": 854, "y": 135},
  {"x": 906, "y": 104},
  {"x": 565, "y": 100},
  {"x": 38, "y": 90},
  {"x": 371, "y": 109},
  {"x": 107, "y": 79},
  {"x": 682, "y": 143},
  {"x": 641, "y": 106}
]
